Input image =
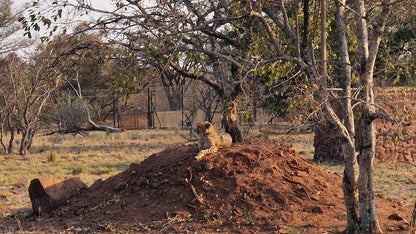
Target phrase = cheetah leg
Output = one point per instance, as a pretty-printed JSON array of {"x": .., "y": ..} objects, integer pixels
[
  {"x": 202, "y": 153},
  {"x": 191, "y": 143}
]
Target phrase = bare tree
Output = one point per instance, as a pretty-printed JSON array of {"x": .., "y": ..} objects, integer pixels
[
  {"x": 25, "y": 91},
  {"x": 74, "y": 116},
  {"x": 95, "y": 80},
  {"x": 8, "y": 102}
]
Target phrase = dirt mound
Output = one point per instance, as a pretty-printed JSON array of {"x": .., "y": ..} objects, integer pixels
[{"x": 255, "y": 186}]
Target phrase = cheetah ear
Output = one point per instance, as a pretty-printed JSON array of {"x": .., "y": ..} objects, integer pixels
[{"x": 207, "y": 124}]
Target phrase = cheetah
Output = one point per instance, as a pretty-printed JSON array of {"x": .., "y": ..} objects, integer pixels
[{"x": 209, "y": 140}]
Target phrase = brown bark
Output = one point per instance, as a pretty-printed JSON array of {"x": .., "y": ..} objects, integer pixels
[{"x": 229, "y": 121}]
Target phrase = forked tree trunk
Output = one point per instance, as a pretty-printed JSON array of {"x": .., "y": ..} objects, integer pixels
[
  {"x": 367, "y": 51},
  {"x": 27, "y": 138}
]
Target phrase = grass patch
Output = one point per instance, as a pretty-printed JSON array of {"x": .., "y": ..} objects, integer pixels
[
  {"x": 396, "y": 180},
  {"x": 98, "y": 155}
]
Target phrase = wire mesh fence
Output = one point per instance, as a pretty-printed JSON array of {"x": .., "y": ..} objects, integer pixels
[{"x": 182, "y": 106}]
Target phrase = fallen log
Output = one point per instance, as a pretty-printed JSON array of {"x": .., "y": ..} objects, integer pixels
[
  {"x": 74, "y": 130},
  {"x": 104, "y": 128},
  {"x": 48, "y": 193}
]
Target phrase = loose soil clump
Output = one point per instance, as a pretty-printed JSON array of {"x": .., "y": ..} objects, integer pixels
[{"x": 256, "y": 186}]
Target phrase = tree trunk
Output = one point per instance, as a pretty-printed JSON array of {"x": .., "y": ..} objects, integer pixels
[
  {"x": 369, "y": 222},
  {"x": 174, "y": 96},
  {"x": 229, "y": 121},
  {"x": 1, "y": 137},
  {"x": 367, "y": 51},
  {"x": 24, "y": 142},
  {"x": 349, "y": 185},
  {"x": 351, "y": 170},
  {"x": 28, "y": 133},
  {"x": 11, "y": 140}
]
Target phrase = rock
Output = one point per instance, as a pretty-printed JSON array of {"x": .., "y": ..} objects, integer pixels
[
  {"x": 140, "y": 182},
  {"x": 155, "y": 185},
  {"x": 317, "y": 210},
  {"x": 395, "y": 217},
  {"x": 119, "y": 186},
  {"x": 49, "y": 192}
]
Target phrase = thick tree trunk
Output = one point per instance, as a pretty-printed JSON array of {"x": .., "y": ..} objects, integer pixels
[
  {"x": 229, "y": 121},
  {"x": 369, "y": 222},
  {"x": 368, "y": 215},
  {"x": 28, "y": 132},
  {"x": 367, "y": 50},
  {"x": 104, "y": 128},
  {"x": 11, "y": 141},
  {"x": 49, "y": 192}
]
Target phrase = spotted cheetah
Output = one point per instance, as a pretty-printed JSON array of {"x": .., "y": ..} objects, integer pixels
[{"x": 209, "y": 140}]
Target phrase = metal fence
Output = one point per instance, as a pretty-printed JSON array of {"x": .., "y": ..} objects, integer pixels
[{"x": 158, "y": 107}]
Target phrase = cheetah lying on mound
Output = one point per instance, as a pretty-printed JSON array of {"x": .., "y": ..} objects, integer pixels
[{"x": 209, "y": 140}]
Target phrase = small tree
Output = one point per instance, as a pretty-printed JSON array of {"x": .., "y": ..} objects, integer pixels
[{"x": 25, "y": 91}]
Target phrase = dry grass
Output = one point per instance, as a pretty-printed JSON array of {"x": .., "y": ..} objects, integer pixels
[
  {"x": 101, "y": 155},
  {"x": 396, "y": 180},
  {"x": 98, "y": 155}
]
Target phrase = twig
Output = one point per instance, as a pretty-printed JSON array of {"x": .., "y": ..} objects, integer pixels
[
  {"x": 199, "y": 198},
  {"x": 19, "y": 223},
  {"x": 413, "y": 220},
  {"x": 295, "y": 182}
]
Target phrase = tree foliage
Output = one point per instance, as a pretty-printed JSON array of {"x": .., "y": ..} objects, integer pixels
[{"x": 9, "y": 28}]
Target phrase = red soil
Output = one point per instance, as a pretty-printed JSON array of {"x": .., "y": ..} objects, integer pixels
[{"x": 251, "y": 187}]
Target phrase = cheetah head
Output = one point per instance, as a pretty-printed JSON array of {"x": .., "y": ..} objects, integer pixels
[{"x": 203, "y": 128}]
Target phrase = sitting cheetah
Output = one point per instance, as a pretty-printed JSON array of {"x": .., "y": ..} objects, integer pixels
[{"x": 209, "y": 140}]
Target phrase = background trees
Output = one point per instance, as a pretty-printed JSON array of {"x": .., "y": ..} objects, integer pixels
[
  {"x": 396, "y": 63},
  {"x": 97, "y": 76},
  {"x": 8, "y": 27},
  {"x": 25, "y": 90},
  {"x": 11, "y": 39}
]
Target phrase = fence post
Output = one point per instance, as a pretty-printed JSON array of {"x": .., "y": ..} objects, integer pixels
[
  {"x": 182, "y": 107},
  {"x": 114, "y": 109},
  {"x": 150, "y": 122}
]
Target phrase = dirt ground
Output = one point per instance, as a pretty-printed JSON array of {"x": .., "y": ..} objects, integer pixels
[{"x": 251, "y": 187}]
